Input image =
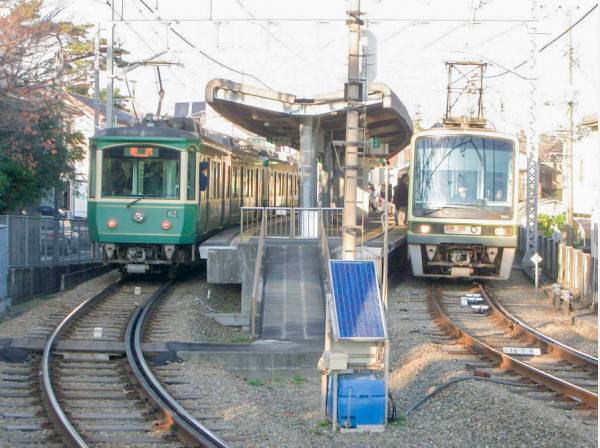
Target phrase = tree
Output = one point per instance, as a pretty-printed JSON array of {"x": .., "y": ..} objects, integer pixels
[{"x": 39, "y": 56}]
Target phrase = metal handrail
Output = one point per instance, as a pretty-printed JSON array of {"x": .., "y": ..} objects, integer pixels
[
  {"x": 325, "y": 257},
  {"x": 258, "y": 274},
  {"x": 292, "y": 222}
]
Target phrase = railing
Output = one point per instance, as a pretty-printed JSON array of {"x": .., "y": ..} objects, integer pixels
[
  {"x": 258, "y": 276},
  {"x": 325, "y": 257},
  {"x": 572, "y": 268},
  {"x": 290, "y": 222},
  {"x": 34, "y": 241}
]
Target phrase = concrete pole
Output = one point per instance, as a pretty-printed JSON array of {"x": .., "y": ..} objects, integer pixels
[
  {"x": 569, "y": 183},
  {"x": 110, "y": 70},
  {"x": 351, "y": 162},
  {"x": 97, "y": 81},
  {"x": 308, "y": 163}
]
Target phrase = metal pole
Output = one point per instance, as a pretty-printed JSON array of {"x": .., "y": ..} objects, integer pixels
[
  {"x": 385, "y": 239},
  {"x": 324, "y": 376},
  {"x": 110, "y": 71},
  {"x": 97, "y": 81},
  {"x": 532, "y": 148},
  {"x": 351, "y": 160}
]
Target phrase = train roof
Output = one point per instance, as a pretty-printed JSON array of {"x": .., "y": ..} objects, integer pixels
[
  {"x": 146, "y": 131},
  {"x": 217, "y": 141},
  {"x": 455, "y": 130}
]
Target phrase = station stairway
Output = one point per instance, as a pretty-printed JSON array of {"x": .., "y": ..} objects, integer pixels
[{"x": 293, "y": 298}]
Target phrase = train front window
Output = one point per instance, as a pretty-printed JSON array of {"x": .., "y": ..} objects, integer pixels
[
  {"x": 463, "y": 172},
  {"x": 141, "y": 172}
]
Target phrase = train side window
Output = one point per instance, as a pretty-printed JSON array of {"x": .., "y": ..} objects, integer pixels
[
  {"x": 92, "y": 184},
  {"x": 227, "y": 181},
  {"x": 219, "y": 185},
  {"x": 191, "y": 178},
  {"x": 204, "y": 166}
]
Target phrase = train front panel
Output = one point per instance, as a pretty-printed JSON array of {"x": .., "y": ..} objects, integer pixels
[{"x": 462, "y": 214}]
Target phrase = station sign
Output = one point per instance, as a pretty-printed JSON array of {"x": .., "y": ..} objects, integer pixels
[{"x": 280, "y": 141}]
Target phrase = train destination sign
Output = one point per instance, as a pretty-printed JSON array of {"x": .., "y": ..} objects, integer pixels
[{"x": 141, "y": 152}]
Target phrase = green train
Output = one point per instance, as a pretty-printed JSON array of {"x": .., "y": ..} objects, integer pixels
[
  {"x": 156, "y": 192},
  {"x": 462, "y": 205}
]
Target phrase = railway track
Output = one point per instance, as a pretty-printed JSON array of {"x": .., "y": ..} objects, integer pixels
[
  {"x": 558, "y": 368},
  {"x": 94, "y": 395}
]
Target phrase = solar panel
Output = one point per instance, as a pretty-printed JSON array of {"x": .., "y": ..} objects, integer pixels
[{"x": 358, "y": 313}]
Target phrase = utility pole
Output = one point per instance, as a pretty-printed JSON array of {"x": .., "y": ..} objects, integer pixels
[
  {"x": 109, "y": 69},
  {"x": 568, "y": 183},
  {"x": 97, "y": 81},
  {"x": 354, "y": 97},
  {"x": 532, "y": 148}
]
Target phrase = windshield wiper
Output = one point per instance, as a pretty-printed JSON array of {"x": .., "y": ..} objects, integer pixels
[
  {"x": 136, "y": 200},
  {"x": 457, "y": 206}
]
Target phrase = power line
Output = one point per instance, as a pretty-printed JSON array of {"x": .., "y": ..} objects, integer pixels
[
  {"x": 569, "y": 29},
  {"x": 329, "y": 20},
  {"x": 266, "y": 28},
  {"x": 203, "y": 53},
  {"x": 547, "y": 44}
]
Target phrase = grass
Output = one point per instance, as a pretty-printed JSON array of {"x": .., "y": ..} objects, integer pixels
[
  {"x": 400, "y": 420},
  {"x": 320, "y": 427},
  {"x": 17, "y": 310},
  {"x": 296, "y": 379},
  {"x": 255, "y": 382},
  {"x": 241, "y": 339}
]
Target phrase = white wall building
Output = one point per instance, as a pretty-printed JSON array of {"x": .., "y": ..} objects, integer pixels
[{"x": 81, "y": 120}]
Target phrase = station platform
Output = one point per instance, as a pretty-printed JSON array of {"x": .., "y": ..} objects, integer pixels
[{"x": 292, "y": 304}]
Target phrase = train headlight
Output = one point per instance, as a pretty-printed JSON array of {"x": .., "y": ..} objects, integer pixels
[
  {"x": 112, "y": 223},
  {"x": 138, "y": 216},
  {"x": 424, "y": 228},
  {"x": 166, "y": 224},
  {"x": 502, "y": 231}
]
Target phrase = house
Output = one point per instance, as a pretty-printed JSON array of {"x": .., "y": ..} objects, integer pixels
[
  {"x": 586, "y": 166},
  {"x": 79, "y": 117}
]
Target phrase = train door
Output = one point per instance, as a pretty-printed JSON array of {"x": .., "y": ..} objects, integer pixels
[
  {"x": 235, "y": 194},
  {"x": 203, "y": 194},
  {"x": 226, "y": 191},
  {"x": 215, "y": 201}
]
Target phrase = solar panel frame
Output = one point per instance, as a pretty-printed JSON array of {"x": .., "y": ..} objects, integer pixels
[{"x": 334, "y": 310}]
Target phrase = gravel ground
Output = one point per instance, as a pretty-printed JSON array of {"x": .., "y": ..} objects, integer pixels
[
  {"x": 38, "y": 317},
  {"x": 285, "y": 412},
  {"x": 518, "y": 295},
  {"x": 187, "y": 306}
]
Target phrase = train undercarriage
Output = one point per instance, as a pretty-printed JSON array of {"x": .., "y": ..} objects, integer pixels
[
  {"x": 134, "y": 258},
  {"x": 461, "y": 260}
]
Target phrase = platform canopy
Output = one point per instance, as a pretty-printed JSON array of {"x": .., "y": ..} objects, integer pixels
[{"x": 278, "y": 115}]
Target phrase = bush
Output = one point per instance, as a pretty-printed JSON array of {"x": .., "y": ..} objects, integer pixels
[{"x": 545, "y": 223}]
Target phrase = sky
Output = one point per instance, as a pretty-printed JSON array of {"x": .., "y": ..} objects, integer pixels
[{"x": 301, "y": 47}]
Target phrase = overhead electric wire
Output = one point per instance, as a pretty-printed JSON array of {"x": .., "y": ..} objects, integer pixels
[
  {"x": 203, "y": 53},
  {"x": 264, "y": 27},
  {"x": 548, "y": 44}
]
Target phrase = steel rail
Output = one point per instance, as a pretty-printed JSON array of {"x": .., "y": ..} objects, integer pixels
[
  {"x": 508, "y": 362},
  {"x": 193, "y": 430},
  {"x": 551, "y": 345},
  {"x": 57, "y": 415}
]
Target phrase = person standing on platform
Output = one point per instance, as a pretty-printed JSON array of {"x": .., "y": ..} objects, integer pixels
[{"x": 401, "y": 199}]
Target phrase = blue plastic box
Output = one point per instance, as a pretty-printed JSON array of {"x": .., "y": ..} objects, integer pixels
[{"x": 361, "y": 400}]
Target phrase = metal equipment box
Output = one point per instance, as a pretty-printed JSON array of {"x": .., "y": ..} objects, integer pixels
[{"x": 361, "y": 401}]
